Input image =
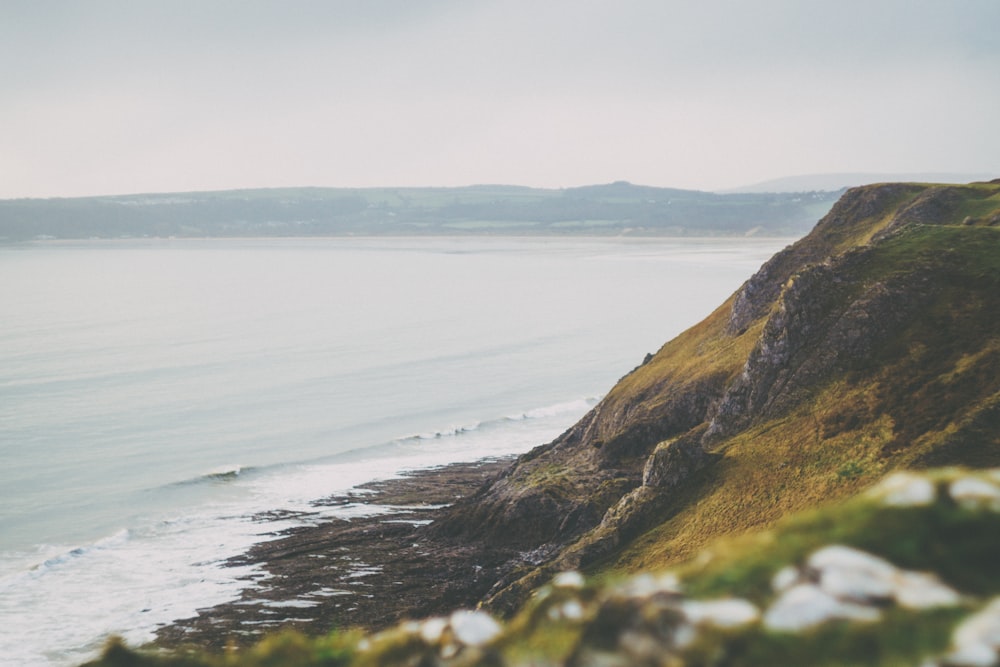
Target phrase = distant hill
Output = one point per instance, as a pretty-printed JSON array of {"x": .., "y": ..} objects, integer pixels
[
  {"x": 610, "y": 210},
  {"x": 830, "y": 182}
]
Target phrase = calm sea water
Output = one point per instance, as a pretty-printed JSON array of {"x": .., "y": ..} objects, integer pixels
[{"x": 156, "y": 395}]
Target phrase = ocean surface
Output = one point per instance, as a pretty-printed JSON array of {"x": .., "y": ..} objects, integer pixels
[{"x": 157, "y": 395}]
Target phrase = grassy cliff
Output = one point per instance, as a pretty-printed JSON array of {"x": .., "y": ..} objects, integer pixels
[{"x": 871, "y": 345}]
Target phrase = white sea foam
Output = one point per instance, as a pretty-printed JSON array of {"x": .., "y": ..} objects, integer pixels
[
  {"x": 135, "y": 580},
  {"x": 126, "y": 584}
]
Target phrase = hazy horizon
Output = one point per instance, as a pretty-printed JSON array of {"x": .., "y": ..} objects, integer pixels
[{"x": 114, "y": 97}]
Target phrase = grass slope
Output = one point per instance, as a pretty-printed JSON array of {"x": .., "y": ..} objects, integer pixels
[{"x": 929, "y": 395}]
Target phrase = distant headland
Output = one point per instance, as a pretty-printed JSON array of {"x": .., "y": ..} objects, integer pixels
[{"x": 614, "y": 209}]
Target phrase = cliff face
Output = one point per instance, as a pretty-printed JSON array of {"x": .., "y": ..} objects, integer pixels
[{"x": 872, "y": 343}]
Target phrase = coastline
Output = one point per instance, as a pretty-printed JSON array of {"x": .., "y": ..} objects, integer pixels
[{"x": 369, "y": 571}]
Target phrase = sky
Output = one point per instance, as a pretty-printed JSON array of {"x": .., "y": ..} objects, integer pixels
[{"x": 126, "y": 96}]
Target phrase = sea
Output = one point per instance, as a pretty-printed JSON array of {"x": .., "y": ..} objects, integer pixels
[{"x": 158, "y": 397}]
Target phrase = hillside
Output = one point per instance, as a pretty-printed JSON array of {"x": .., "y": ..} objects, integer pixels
[
  {"x": 612, "y": 209},
  {"x": 869, "y": 346}
]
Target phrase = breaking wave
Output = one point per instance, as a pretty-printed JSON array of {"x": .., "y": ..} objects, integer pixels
[
  {"x": 556, "y": 410},
  {"x": 222, "y": 474}
]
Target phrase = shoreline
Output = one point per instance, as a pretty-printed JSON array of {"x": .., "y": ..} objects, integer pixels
[{"x": 368, "y": 571}]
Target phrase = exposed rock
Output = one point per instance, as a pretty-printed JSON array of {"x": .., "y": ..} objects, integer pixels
[
  {"x": 905, "y": 489},
  {"x": 850, "y": 217},
  {"x": 921, "y": 590},
  {"x": 806, "y": 605},
  {"x": 473, "y": 628},
  {"x": 823, "y": 325},
  {"x": 570, "y": 610},
  {"x": 785, "y": 578},
  {"x": 977, "y": 639},
  {"x": 975, "y": 492},
  {"x": 674, "y": 461},
  {"x": 843, "y": 583},
  {"x": 647, "y": 585},
  {"x": 851, "y": 574},
  {"x": 725, "y": 613},
  {"x": 432, "y": 629},
  {"x": 568, "y": 579}
]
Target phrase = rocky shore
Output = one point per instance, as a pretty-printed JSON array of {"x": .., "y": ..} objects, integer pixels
[{"x": 370, "y": 571}]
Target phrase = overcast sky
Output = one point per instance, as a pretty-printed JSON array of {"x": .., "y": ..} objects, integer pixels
[{"x": 121, "y": 96}]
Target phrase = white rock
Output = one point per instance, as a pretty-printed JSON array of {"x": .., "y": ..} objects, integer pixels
[
  {"x": 919, "y": 590},
  {"x": 411, "y": 627},
  {"x": 570, "y": 579},
  {"x": 975, "y": 492},
  {"x": 851, "y": 574},
  {"x": 905, "y": 489},
  {"x": 432, "y": 629},
  {"x": 974, "y": 655},
  {"x": 639, "y": 646},
  {"x": 449, "y": 650},
  {"x": 684, "y": 635},
  {"x": 785, "y": 578},
  {"x": 647, "y": 585},
  {"x": 978, "y": 637},
  {"x": 842, "y": 557},
  {"x": 857, "y": 585},
  {"x": 728, "y": 613},
  {"x": 572, "y": 610},
  {"x": 473, "y": 628},
  {"x": 806, "y": 605}
]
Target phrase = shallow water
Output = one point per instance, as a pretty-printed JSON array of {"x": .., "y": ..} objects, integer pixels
[{"x": 156, "y": 394}]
